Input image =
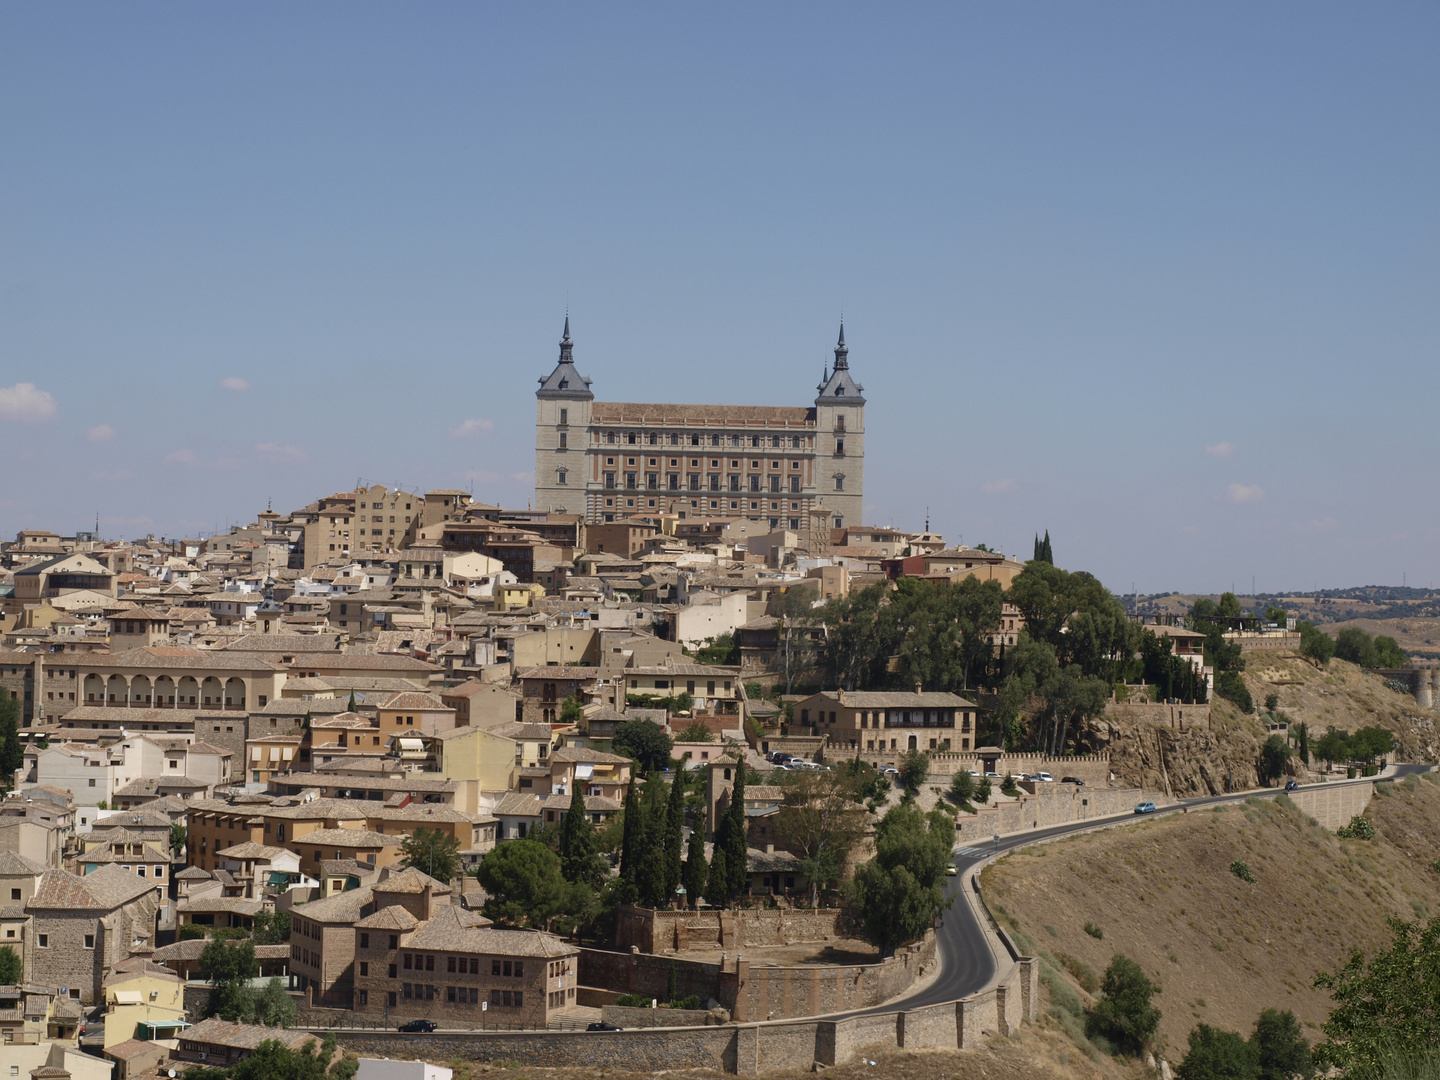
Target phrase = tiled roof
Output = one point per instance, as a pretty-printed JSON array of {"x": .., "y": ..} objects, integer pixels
[
  {"x": 13, "y": 864},
  {"x": 583, "y": 754},
  {"x": 219, "y": 1032},
  {"x": 411, "y": 880},
  {"x": 344, "y": 907},
  {"x": 454, "y": 930},
  {"x": 105, "y": 889},
  {"x": 356, "y": 838},
  {"x": 617, "y": 412},
  {"x": 417, "y": 700},
  {"x": 393, "y": 917}
]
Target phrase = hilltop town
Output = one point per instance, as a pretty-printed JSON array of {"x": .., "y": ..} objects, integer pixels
[{"x": 688, "y": 764}]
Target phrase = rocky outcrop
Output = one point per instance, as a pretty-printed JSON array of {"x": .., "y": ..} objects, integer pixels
[{"x": 1194, "y": 761}]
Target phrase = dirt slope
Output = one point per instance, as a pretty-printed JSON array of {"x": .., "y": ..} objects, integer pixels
[{"x": 1162, "y": 893}]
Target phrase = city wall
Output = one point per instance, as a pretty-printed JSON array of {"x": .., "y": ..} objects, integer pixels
[
  {"x": 743, "y": 1049},
  {"x": 653, "y": 931},
  {"x": 1092, "y": 768},
  {"x": 762, "y": 992},
  {"x": 1049, "y": 804},
  {"x": 1179, "y": 718}
]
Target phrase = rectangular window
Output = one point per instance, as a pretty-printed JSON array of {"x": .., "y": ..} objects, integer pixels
[
  {"x": 450, "y": 965},
  {"x": 407, "y": 961},
  {"x": 44, "y": 940},
  {"x": 364, "y": 997},
  {"x": 794, "y": 485},
  {"x": 364, "y": 941},
  {"x": 364, "y": 967},
  {"x": 89, "y": 941},
  {"x": 429, "y": 963},
  {"x": 450, "y": 993}
]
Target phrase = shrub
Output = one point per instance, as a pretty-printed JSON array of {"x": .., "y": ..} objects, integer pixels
[
  {"x": 1080, "y": 971},
  {"x": 1241, "y": 869},
  {"x": 1218, "y": 1055},
  {"x": 690, "y": 1002},
  {"x": 1358, "y": 829},
  {"x": 1094, "y": 931},
  {"x": 1124, "y": 1015},
  {"x": 634, "y": 1001}
]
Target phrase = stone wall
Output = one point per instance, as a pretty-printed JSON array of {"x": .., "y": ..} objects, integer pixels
[
  {"x": 660, "y": 931},
  {"x": 1333, "y": 805},
  {"x": 759, "y": 993},
  {"x": 1094, "y": 769},
  {"x": 745, "y": 1049},
  {"x": 1049, "y": 804},
  {"x": 1174, "y": 717},
  {"x": 627, "y": 1017}
]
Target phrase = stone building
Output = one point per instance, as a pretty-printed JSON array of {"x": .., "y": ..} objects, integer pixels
[
  {"x": 611, "y": 461},
  {"x": 898, "y": 721},
  {"x": 83, "y": 926}
]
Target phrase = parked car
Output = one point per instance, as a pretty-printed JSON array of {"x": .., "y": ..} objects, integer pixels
[
  {"x": 418, "y": 1025},
  {"x": 1145, "y": 808},
  {"x": 1072, "y": 780},
  {"x": 1044, "y": 778},
  {"x": 600, "y": 1025},
  {"x": 991, "y": 775}
]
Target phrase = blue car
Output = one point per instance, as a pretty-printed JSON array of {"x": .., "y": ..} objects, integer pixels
[{"x": 1145, "y": 808}]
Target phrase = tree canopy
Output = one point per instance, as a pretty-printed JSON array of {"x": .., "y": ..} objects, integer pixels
[
  {"x": 820, "y": 822},
  {"x": 524, "y": 885},
  {"x": 900, "y": 891},
  {"x": 272, "y": 1060},
  {"x": 646, "y": 742},
  {"x": 1123, "y": 1013},
  {"x": 432, "y": 852}
]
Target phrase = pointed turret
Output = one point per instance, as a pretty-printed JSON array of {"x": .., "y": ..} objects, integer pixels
[
  {"x": 842, "y": 354},
  {"x": 838, "y": 382},
  {"x": 565, "y": 381}
]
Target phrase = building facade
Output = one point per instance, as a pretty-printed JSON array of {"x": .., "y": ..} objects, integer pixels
[{"x": 611, "y": 460}]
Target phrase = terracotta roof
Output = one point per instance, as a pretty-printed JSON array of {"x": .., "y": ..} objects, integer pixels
[
  {"x": 356, "y": 838},
  {"x": 413, "y": 881},
  {"x": 105, "y": 889},
  {"x": 393, "y": 917},
  {"x": 417, "y": 700},
  {"x": 219, "y": 1032},
  {"x": 342, "y": 908},
  {"x": 13, "y": 864},
  {"x": 455, "y": 930}
]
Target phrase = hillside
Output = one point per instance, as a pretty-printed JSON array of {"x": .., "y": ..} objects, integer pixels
[
  {"x": 1199, "y": 760},
  {"x": 1162, "y": 893}
]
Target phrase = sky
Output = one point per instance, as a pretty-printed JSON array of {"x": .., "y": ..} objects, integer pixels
[{"x": 1161, "y": 279}]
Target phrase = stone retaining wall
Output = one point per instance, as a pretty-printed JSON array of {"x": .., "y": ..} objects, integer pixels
[
  {"x": 1333, "y": 805},
  {"x": 744, "y": 1049},
  {"x": 1050, "y": 804},
  {"x": 653, "y": 931}
]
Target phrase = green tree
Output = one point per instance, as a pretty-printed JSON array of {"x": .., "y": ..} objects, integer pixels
[
  {"x": 1276, "y": 615},
  {"x": 1218, "y": 1055},
  {"x": 1272, "y": 702},
  {"x": 731, "y": 839},
  {"x": 1273, "y": 756},
  {"x": 524, "y": 885},
  {"x": 1229, "y": 606},
  {"x": 1280, "y": 1046},
  {"x": 632, "y": 844},
  {"x": 432, "y": 852},
  {"x": 177, "y": 838},
  {"x": 1043, "y": 551},
  {"x": 270, "y": 1060},
  {"x": 271, "y": 927},
  {"x": 899, "y": 892},
  {"x": 1123, "y": 1014},
  {"x": 644, "y": 741},
  {"x": 1304, "y": 743},
  {"x": 793, "y": 611},
  {"x": 652, "y": 875},
  {"x": 1229, "y": 685},
  {"x": 696, "y": 874},
  {"x": 1356, "y": 646},
  {"x": 1333, "y": 746},
  {"x": 570, "y": 711},
  {"x": 696, "y": 731},
  {"x": 719, "y": 650},
  {"x": 11, "y": 754},
  {"x": 962, "y": 787},
  {"x": 1386, "y": 1008},
  {"x": 819, "y": 821},
  {"x": 1388, "y": 653},
  {"x": 579, "y": 845},
  {"x": 867, "y": 784},
  {"x": 914, "y": 767},
  {"x": 1315, "y": 644},
  {"x": 674, "y": 835},
  {"x": 228, "y": 967},
  {"x": 11, "y": 969},
  {"x": 271, "y": 1005}
]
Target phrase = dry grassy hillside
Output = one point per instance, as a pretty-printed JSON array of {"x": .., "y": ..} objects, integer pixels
[
  {"x": 1341, "y": 695},
  {"x": 1162, "y": 893}
]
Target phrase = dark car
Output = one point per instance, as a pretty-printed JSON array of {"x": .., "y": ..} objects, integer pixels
[
  {"x": 1072, "y": 780},
  {"x": 1292, "y": 785},
  {"x": 418, "y": 1025},
  {"x": 600, "y": 1025}
]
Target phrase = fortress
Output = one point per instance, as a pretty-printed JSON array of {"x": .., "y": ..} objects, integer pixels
[{"x": 611, "y": 460}]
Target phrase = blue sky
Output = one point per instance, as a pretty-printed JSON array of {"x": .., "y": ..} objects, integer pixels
[{"x": 1162, "y": 279}]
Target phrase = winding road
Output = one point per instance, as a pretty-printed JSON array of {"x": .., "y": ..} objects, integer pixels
[{"x": 967, "y": 962}]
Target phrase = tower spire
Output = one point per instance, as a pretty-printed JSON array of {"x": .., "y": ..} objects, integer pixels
[
  {"x": 842, "y": 354},
  {"x": 566, "y": 345}
]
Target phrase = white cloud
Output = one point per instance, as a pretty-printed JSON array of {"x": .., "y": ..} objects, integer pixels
[
  {"x": 1219, "y": 449},
  {"x": 24, "y": 402},
  {"x": 1246, "y": 493},
  {"x": 235, "y": 383},
  {"x": 281, "y": 453},
  {"x": 100, "y": 433},
  {"x": 998, "y": 487},
  {"x": 181, "y": 457},
  {"x": 472, "y": 429}
]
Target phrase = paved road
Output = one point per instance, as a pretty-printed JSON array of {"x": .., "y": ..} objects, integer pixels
[{"x": 966, "y": 962}]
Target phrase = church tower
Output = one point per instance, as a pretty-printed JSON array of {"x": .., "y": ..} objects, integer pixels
[
  {"x": 562, "y": 425},
  {"x": 840, "y": 441}
]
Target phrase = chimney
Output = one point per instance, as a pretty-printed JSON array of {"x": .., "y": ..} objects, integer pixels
[
  {"x": 917, "y": 688},
  {"x": 769, "y": 849}
]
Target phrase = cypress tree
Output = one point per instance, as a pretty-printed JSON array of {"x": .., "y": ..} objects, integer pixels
[
  {"x": 1305, "y": 743},
  {"x": 1049, "y": 552},
  {"x": 737, "y": 847},
  {"x": 579, "y": 843},
  {"x": 351, "y": 706},
  {"x": 675, "y": 830},
  {"x": 697, "y": 872},
  {"x": 717, "y": 885},
  {"x": 632, "y": 837},
  {"x": 651, "y": 870}
]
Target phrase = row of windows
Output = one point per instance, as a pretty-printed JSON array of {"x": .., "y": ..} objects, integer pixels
[
  {"x": 755, "y": 463},
  {"x": 507, "y": 969},
  {"x": 461, "y": 995},
  {"x": 654, "y": 438}
]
